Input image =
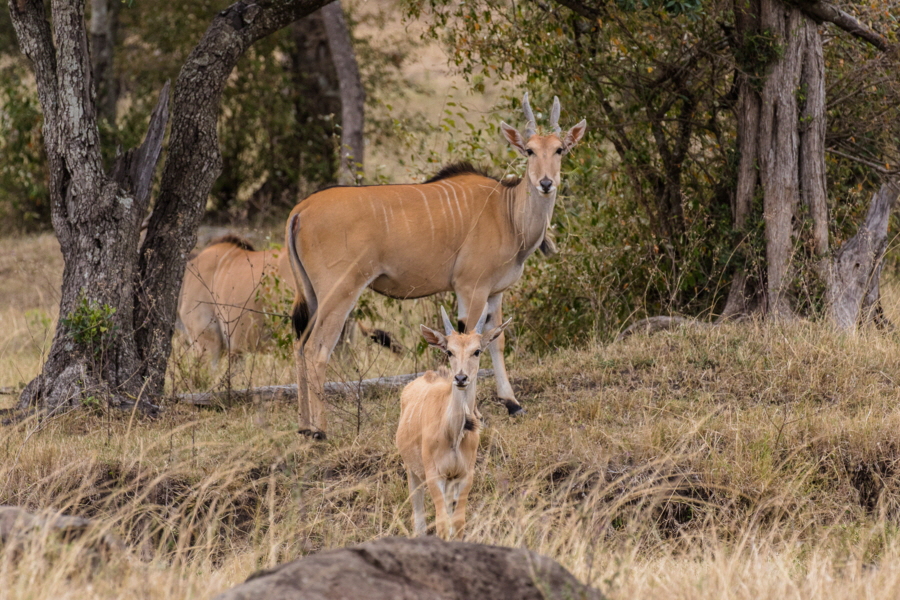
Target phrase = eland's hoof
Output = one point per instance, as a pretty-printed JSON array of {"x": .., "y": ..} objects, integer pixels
[
  {"x": 515, "y": 409},
  {"x": 316, "y": 435}
]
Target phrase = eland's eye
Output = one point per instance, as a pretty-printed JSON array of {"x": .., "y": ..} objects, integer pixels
[
  {"x": 559, "y": 150},
  {"x": 449, "y": 354},
  {"x": 529, "y": 151},
  {"x": 478, "y": 353}
]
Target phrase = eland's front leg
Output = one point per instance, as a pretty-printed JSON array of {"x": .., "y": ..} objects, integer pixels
[{"x": 505, "y": 392}]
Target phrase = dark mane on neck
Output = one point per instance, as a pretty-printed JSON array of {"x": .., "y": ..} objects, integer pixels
[
  {"x": 234, "y": 240},
  {"x": 465, "y": 168}
]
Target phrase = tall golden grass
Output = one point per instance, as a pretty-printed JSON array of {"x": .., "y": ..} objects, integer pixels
[{"x": 744, "y": 461}]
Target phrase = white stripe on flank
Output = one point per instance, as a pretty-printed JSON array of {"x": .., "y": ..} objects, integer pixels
[
  {"x": 427, "y": 209},
  {"x": 403, "y": 214},
  {"x": 462, "y": 219},
  {"x": 446, "y": 193},
  {"x": 387, "y": 226}
]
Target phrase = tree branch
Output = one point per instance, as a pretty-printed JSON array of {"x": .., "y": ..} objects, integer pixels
[
  {"x": 822, "y": 11},
  {"x": 862, "y": 161},
  {"x": 77, "y": 120}
]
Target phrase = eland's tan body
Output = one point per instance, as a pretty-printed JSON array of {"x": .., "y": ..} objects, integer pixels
[
  {"x": 227, "y": 289},
  {"x": 227, "y": 292},
  {"x": 439, "y": 428},
  {"x": 461, "y": 231}
]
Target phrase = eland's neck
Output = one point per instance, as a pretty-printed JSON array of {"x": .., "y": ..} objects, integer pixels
[
  {"x": 460, "y": 408},
  {"x": 529, "y": 213}
]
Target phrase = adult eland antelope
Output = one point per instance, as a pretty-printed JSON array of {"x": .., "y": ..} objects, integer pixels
[
  {"x": 227, "y": 291},
  {"x": 438, "y": 431},
  {"x": 459, "y": 231}
]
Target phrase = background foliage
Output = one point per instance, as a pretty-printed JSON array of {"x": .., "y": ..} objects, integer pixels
[{"x": 644, "y": 221}]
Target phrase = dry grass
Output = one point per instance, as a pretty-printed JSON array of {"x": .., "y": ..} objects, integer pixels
[{"x": 743, "y": 462}]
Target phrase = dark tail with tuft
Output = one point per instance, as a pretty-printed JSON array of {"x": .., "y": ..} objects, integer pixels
[
  {"x": 305, "y": 301},
  {"x": 382, "y": 338},
  {"x": 300, "y": 318}
]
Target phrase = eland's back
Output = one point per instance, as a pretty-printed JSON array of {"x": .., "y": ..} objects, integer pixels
[{"x": 408, "y": 241}]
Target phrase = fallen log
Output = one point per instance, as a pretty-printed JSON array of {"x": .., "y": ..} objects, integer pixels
[
  {"x": 651, "y": 325},
  {"x": 274, "y": 393}
]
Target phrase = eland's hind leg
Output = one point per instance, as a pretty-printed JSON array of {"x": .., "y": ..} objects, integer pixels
[{"x": 328, "y": 322}]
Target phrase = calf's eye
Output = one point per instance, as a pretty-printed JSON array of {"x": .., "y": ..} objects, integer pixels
[{"x": 477, "y": 352}]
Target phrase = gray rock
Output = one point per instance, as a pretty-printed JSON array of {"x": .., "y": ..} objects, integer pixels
[
  {"x": 18, "y": 527},
  {"x": 416, "y": 569}
]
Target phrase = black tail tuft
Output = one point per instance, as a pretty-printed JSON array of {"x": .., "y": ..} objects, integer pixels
[
  {"x": 300, "y": 319},
  {"x": 383, "y": 338}
]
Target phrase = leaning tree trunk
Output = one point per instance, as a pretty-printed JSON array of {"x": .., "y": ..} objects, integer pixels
[
  {"x": 855, "y": 272},
  {"x": 118, "y": 301},
  {"x": 353, "y": 97}
]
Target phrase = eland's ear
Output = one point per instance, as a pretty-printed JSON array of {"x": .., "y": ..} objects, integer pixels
[
  {"x": 574, "y": 135},
  {"x": 494, "y": 333},
  {"x": 514, "y": 138},
  {"x": 434, "y": 338}
]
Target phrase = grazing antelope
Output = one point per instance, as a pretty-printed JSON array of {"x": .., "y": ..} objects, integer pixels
[
  {"x": 227, "y": 290},
  {"x": 438, "y": 431},
  {"x": 459, "y": 231}
]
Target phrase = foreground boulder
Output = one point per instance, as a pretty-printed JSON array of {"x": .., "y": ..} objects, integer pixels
[
  {"x": 19, "y": 527},
  {"x": 416, "y": 569}
]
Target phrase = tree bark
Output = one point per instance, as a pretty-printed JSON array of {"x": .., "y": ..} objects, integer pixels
[
  {"x": 353, "y": 97},
  {"x": 97, "y": 215}
]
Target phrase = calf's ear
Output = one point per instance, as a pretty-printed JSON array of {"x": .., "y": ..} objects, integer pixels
[
  {"x": 494, "y": 333},
  {"x": 434, "y": 338}
]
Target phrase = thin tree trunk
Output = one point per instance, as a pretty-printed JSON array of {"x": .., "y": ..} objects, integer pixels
[
  {"x": 779, "y": 152},
  {"x": 353, "y": 97},
  {"x": 813, "y": 190}
]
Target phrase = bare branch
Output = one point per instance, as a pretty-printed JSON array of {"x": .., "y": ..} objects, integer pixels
[
  {"x": 880, "y": 168},
  {"x": 822, "y": 11}
]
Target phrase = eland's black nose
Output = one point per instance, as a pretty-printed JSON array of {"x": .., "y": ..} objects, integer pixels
[
  {"x": 546, "y": 185},
  {"x": 461, "y": 380}
]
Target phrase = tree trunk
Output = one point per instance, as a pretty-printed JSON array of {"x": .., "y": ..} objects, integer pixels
[
  {"x": 353, "y": 97},
  {"x": 104, "y": 23},
  {"x": 781, "y": 140},
  {"x": 118, "y": 301}
]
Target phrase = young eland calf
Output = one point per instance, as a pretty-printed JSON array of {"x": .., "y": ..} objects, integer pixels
[{"x": 438, "y": 431}]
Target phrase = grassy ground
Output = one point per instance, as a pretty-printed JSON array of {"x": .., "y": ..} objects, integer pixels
[
  {"x": 741, "y": 462},
  {"x": 746, "y": 461}
]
